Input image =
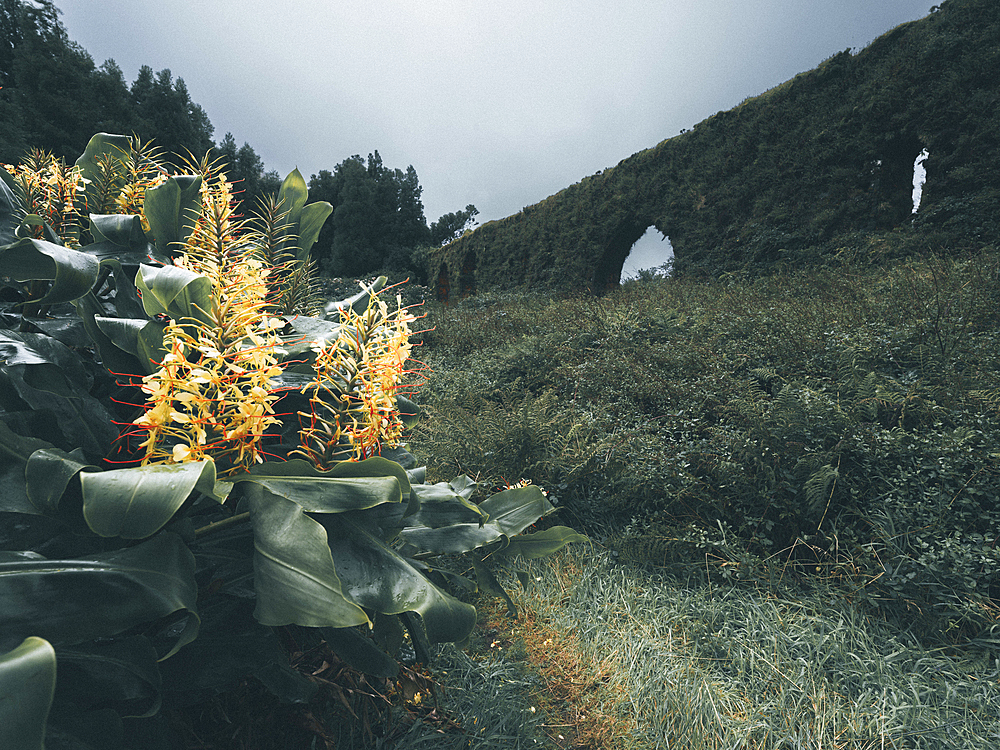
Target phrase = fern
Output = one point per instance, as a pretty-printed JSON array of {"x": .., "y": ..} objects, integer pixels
[{"x": 819, "y": 489}]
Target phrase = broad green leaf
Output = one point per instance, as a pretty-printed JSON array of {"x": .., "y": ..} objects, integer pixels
[
  {"x": 15, "y": 450},
  {"x": 490, "y": 585},
  {"x": 409, "y": 412},
  {"x": 40, "y": 370},
  {"x": 57, "y": 599},
  {"x": 311, "y": 221},
  {"x": 113, "y": 358},
  {"x": 100, "y": 146},
  {"x": 296, "y": 581},
  {"x": 175, "y": 292},
  {"x": 230, "y": 646},
  {"x": 48, "y": 473},
  {"x": 72, "y": 272},
  {"x": 375, "y": 467},
  {"x": 542, "y": 543},
  {"x": 451, "y": 540},
  {"x": 333, "y": 495},
  {"x": 516, "y": 509},
  {"x": 441, "y": 506},
  {"x": 509, "y": 512},
  {"x": 137, "y": 502},
  {"x": 360, "y": 301},
  {"x": 360, "y": 652},
  {"x": 8, "y": 211},
  {"x": 122, "y": 673},
  {"x": 27, "y": 686},
  {"x": 141, "y": 338},
  {"x": 306, "y": 331},
  {"x": 171, "y": 209},
  {"x": 376, "y": 577},
  {"x": 124, "y": 230},
  {"x": 463, "y": 485},
  {"x": 292, "y": 197}
]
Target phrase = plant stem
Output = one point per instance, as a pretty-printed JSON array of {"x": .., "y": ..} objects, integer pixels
[{"x": 216, "y": 525}]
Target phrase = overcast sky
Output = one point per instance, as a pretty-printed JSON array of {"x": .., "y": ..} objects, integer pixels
[{"x": 500, "y": 104}]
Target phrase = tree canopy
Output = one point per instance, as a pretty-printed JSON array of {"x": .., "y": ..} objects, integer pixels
[
  {"x": 54, "y": 98},
  {"x": 378, "y": 218}
]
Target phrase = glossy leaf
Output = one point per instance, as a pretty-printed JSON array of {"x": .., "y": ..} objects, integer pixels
[
  {"x": 509, "y": 512},
  {"x": 47, "y": 474},
  {"x": 15, "y": 451},
  {"x": 8, "y": 211},
  {"x": 230, "y": 646},
  {"x": 27, "y": 686},
  {"x": 360, "y": 301},
  {"x": 378, "y": 578},
  {"x": 542, "y": 543},
  {"x": 48, "y": 365},
  {"x": 311, "y": 221},
  {"x": 514, "y": 510},
  {"x": 123, "y": 230},
  {"x": 137, "y": 502},
  {"x": 441, "y": 506},
  {"x": 294, "y": 574},
  {"x": 490, "y": 585},
  {"x": 360, "y": 652},
  {"x": 101, "y": 146},
  {"x": 175, "y": 292},
  {"x": 114, "y": 358},
  {"x": 451, "y": 540},
  {"x": 55, "y": 599},
  {"x": 72, "y": 272},
  {"x": 171, "y": 209},
  {"x": 333, "y": 495},
  {"x": 121, "y": 672},
  {"x": 139, "y": 337}
]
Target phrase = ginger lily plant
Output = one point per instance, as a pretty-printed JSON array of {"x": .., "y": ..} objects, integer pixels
[{"x": 157, "y": 545}]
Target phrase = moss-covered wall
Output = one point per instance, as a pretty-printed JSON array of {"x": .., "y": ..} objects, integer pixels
[{"x": 795, "y": 173}]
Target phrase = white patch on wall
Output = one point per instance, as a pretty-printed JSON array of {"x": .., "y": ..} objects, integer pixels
[
  {"x": 919, "y": 178},
  {"x": 651, "y": 250}
]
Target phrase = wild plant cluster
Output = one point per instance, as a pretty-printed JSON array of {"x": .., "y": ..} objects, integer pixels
[{"x": 840, "y": 423}]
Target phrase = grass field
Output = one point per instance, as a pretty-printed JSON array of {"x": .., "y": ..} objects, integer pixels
[{"x": 791, "y": 484}]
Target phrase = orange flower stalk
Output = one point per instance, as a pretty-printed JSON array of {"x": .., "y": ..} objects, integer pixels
[
  {"x": 353, "y": 411},
  {"x": 52, "y": 191},
  {"x": 211, "y": 396}
]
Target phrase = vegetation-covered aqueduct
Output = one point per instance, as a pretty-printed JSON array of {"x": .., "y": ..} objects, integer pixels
[{"x": 821, "y": 164}]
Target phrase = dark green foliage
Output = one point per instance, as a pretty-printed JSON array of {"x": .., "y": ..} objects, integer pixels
[
  {"x": 842, "y": 421},
  {"x": 817, "y": 166},
  {"x": 378, "y": 220},
  {"x": 453, "y": 225},
  {"x": 245, "y": 169},
  {"x": 54, "y": 98}
]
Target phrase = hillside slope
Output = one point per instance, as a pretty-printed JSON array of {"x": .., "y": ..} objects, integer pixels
[{"x": 821, "y": 164}]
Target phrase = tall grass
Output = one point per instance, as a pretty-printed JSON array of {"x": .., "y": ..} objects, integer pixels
[{"x": 796, "y": 482}]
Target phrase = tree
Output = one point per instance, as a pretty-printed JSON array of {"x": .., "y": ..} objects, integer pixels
[
  {"x": 46, "y": 82},
  {"x": 115, "y": 113},
  {"x": 246, "y": 171},
  {"x": 378, "y": 216},
  {"x": 167, "y": 115},
  {"x": 453, "y": 225}
]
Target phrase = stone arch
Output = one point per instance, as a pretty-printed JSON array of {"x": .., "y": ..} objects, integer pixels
[{"x": 608, "y": 270}]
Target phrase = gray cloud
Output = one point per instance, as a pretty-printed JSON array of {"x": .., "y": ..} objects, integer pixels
[{"x": 494, "y": 103}]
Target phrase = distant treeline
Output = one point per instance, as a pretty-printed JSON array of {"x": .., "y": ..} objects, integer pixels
[{"x": 54, "y": 97}]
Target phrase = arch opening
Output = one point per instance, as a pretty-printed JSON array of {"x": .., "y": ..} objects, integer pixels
[
  {"x": 893, "y": 176},
  {"x": 919, "y": 178},
  {"x": 651, "y": 255}
]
